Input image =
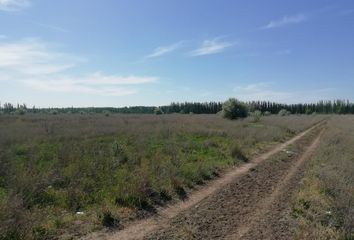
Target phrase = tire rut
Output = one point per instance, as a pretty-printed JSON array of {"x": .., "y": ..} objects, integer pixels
[{"x": 271, "y": 218}]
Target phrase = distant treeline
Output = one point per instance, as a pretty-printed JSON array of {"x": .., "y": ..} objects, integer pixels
[
  {"x": 322, "y": 107},
  {"x": 193, "y": 107}
]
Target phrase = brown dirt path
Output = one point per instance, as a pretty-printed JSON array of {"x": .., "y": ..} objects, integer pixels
[
  {"x": 218, "y": 209},
  {"x": 269, "y": 217}
]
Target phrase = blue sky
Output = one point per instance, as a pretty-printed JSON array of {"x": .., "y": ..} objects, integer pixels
[{"x": 118, "y": 53}]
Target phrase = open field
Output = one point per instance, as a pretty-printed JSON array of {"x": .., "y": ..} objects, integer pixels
[{"x": 66, "y": 175}]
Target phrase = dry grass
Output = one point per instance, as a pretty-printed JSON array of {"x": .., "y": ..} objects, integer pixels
[
  {"x": 115, "y": 168},
  {"x": 324, "y": 206}
]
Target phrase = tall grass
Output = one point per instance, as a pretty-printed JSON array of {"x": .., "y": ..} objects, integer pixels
[{"x": 324, "y": 206}]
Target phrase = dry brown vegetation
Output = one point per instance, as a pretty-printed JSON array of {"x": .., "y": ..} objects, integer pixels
[
  {"x": 324, "y": 206},
  {"x": 65, "y": 175}
]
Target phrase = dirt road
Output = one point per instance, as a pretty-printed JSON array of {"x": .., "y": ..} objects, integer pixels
[{"x": 248, "y": 202}]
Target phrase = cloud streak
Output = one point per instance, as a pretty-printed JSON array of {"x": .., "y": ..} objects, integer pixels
[
  {"x": 51, "y": 27},
  {"x": 286, "y": 20},
  {"x": 13, "y": 5},
  {"x": 163, "y": 50},
  {"x": 212, "y": 46},
  {"x": 96, "y": 83},
  {"x": 32, "y": 56}
]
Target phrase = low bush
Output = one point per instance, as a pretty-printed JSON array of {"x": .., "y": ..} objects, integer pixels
[
  {"x": 237, "y": 153},
  {"x": 234, "y": 109},
  {"x": 20, "y": 111},
  {"x": 284, "y": 112},
  {"x": 267, "y": 113},
  {"x": 256, "y": 115},
  {"x": 158, "y": 111}
]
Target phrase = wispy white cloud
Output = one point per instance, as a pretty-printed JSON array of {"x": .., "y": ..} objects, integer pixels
[
  {"x": 13, "y": 5},
  {"x": 212, "y": 46},
  {"x": 97, "y": 83},
  {"x": 51, "y": 27},
  {"x": 163, "y": 50},
  {"x": 98, "y": 78},
  {"x": 33, "y": 56},
  {"x": 36, "y": 64},
  {"x": 286, "y": 20},
  {"x": 267, "y": 91}
]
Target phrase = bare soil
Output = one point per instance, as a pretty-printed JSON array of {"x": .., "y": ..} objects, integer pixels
[{"x": 249, "y": 202}]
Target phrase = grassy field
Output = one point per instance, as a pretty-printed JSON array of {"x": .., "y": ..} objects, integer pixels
[
  {"x": 324, "y": 206},
  {"x": 66, "y": 175}
]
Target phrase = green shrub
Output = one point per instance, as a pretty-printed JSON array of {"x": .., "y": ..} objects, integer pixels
[
  {"x": 284, "y": 112},
  {"x": 257, "y": 115},
  {"x": 308, "y": 111},
  {"x": 234, "y": 109},
  {"x": 118, "y": 152},
  {"x": 106, "y": 113},
  {"x": 267, "y": 113},
  {"x": 20, "y": 111},
  {"x": 158, "y": 111}
]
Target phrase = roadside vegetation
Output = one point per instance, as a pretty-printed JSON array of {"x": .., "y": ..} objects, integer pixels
[
  {"x": 324, "y": 206},
  {"x": 69, "y": 174}
]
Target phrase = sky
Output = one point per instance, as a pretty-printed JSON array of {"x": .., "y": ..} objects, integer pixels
[{"x": 128, "y": 52}]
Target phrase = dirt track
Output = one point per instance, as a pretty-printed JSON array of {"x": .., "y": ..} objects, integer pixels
[{"x": 249, "y": 202}]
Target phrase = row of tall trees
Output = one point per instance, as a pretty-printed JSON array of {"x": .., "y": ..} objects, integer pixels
[
  {"x": 323, "y": 107},
  {"x": 193, "y": 107}
]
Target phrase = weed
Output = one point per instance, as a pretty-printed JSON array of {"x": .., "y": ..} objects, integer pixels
[
  {"x": 237, "y": 153},
  {"x": 324, "y": 204},
  {"x": 108, "y": 220}
]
